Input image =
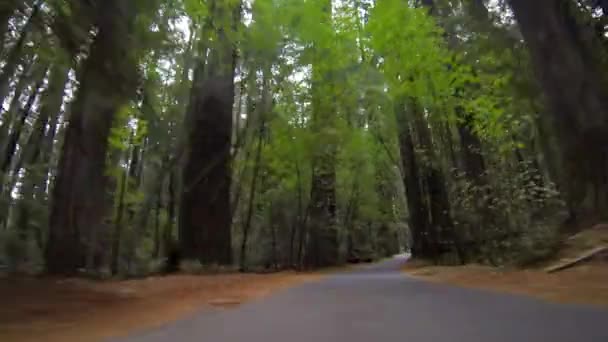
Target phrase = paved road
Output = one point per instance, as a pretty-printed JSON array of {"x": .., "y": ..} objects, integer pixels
[{"x": 378, "y": 304}]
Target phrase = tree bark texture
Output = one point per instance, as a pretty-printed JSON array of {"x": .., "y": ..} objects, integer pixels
[
  {"x": 574, "y": 82},
  {"x": 79, "y": 192},
  {"x": 417, "y": 207},
  {"x": 205, "y": 215}
]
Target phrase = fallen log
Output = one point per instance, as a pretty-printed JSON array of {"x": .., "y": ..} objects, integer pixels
[{"x": 567, "y": 263}]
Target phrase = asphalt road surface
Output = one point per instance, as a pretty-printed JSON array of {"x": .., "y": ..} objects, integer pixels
[{"x": 377, "y": 303}]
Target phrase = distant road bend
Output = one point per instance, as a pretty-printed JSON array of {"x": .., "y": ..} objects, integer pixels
[{"x": 379, "y": 303}]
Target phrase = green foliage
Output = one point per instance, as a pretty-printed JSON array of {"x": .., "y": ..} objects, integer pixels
[
  {"x": 512, "y": 220},
  {"x": 335, "y": 75},
  {"x": 414, "y": 57}
]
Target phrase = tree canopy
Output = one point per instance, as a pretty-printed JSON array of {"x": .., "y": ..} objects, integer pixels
[{"x": 141, "y": 136}]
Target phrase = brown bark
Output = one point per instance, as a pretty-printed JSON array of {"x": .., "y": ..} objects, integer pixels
[
  {"x": 442, "y": 235},
  {"x": 118, "y": 223},
  {"x": 250, "y": 204},
  {"x": 168, "y": 228},
  {"x": 73, "y": 22},
  {"x": 79, "y": 192},
  {"x": 297, "y": 220},
  {"x": 322, "y": 249},
  {"x": 417, "y": 207},
  {"x": 473, "y": 161},
  {"x": 562, "y": 51},
  {"x": 323, "y": 237},
  {"x": 157, "y": 233},
  {"x": 205, "y": 215}
]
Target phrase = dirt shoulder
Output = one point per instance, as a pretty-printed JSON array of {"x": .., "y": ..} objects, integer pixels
[
  {"x": 585, "y": 284},
  {"x": 35, "y": 309},
  {"x": 583, "y": 281}
]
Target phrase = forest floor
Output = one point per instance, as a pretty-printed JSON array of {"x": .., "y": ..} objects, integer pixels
[
  {"x": 35, "y": 309},
  {"x": 584, "y": 283}
]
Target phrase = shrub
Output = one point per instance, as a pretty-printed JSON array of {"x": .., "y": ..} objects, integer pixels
[{"x": 513, "y": 219}]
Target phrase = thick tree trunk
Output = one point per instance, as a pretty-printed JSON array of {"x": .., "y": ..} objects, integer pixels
[
  {"x": 304, "y": 230},
  {"x": 73, "y": 23},
  {"x": 251, "y": 200},
  {"x": 473, "y": 162},
  {"x": 168, "y": 229},
  {"x": 350, "y": 217},
  {"x": 297, "y": 221},
  {"x": 128, "y": 184},
  {"x": 118, "y": 223},
  {"x": 79, "y": 192},
  {"x": 157, "y": 233},
  {"x": 152, "y": 187},
  {"x": 563, "y": 53},
  {"x": 265, "y": 106},
  {"x": 323, "y": 244},
  {"x": 442, "y": 228},
  {"x": 273, "y": 242},
  {"x": 417, "y": 207},
  {"x": 205, "y": 221},
  {"x": 323, "y": 240},
  {"x": 205, "y": 204}
]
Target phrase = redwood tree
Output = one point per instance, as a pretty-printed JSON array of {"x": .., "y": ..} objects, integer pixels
[{"x": 107, "y": 80}]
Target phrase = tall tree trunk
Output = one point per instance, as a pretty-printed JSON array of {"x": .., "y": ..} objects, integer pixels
[
  {"x": 471, "y": 149},
  {"x": 118, "y": 223},
  {"x": 205, "y": 222},
  {"x": 417, "y": 207},
  {"x": 168, "y": 229},
  {"x": 563, "y": 53},
  {"x": 442, "y": 227},
  {"x": 473, "y": 161},
  {"x": 15, "y": 55},
  {"x": 157, "y": 234},
  {"x": 73, "y": 23},
  {"x": 48, "y": 147},
  {"x": 323, "y": 244},
  {"x": 50, "y": 104},
  {"x": 304, "y": 230},
  {"x": 107, "y": 80},
  {"x": 152, "y": 187},
  {"x": 273, "y": 241},
  {"x": 252, "y": 190},
  {"x": 127, "y": 185},
  {"x": 323, "y": 248},
  {"x": 297, "y": 217},
  {"x": 10, "y": 146},
  {"x": 7, "y": 178},
  {"x": 8, "y": 116}
]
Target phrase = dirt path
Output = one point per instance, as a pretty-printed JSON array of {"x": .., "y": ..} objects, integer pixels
[{"x": 77, "y": 310}]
